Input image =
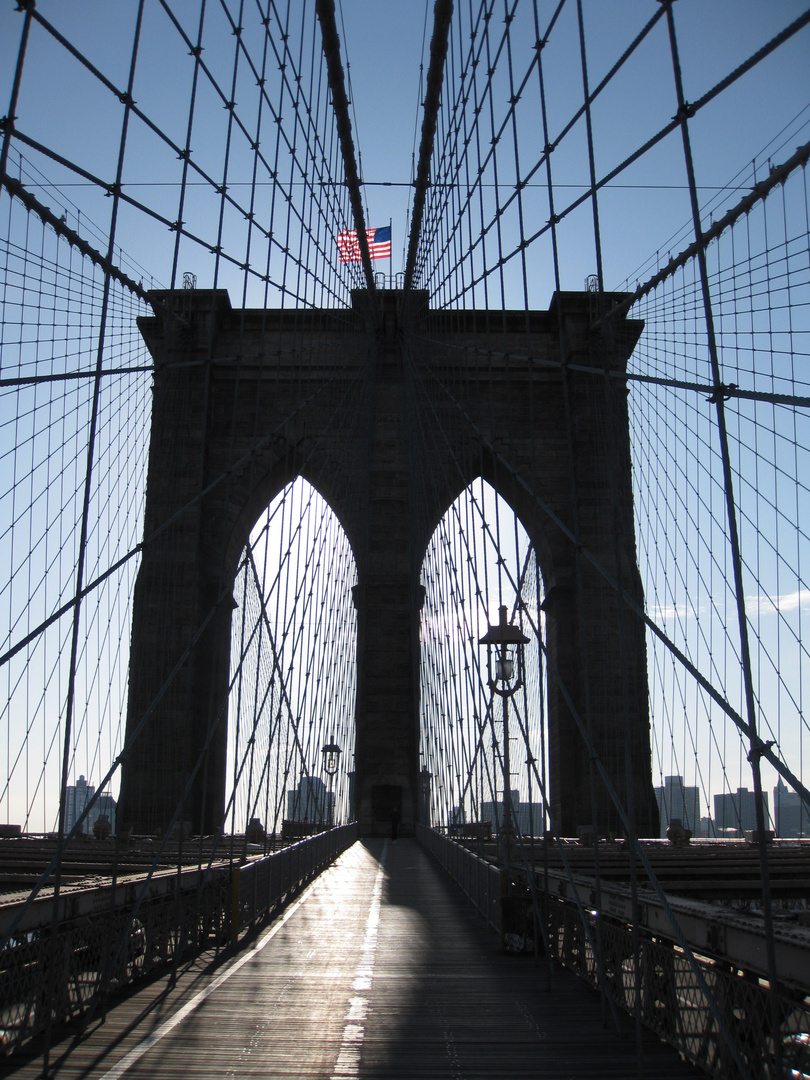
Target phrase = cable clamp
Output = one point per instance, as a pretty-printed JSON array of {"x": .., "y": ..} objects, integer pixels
[
  {"x": 760, "y": 750},
  {"x": 722, "y": 393}
]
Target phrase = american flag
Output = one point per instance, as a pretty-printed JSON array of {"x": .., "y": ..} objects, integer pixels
[{"x": 379, "y": 244}]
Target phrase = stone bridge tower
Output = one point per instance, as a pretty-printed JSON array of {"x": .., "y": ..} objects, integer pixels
[{"x": 245, "y": 401}]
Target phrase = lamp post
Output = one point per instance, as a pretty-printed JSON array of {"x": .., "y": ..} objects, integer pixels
[
  {"x": 505, "y": 678},
  {"x": 331, "y": 759},
  {"x": 424, "y": 782}
]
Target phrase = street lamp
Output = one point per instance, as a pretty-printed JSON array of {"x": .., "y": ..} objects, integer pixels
[
  {"x": 505, "y": 677},
  {"x": 331, "y": 759},
  {"x": 424, "y": 782}
]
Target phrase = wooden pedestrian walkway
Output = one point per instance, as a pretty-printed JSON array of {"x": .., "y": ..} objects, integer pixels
[{"x": 380, "y": 970}]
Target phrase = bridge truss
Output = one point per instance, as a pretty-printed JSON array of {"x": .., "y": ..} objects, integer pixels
[{"x": 523, "y": 184}]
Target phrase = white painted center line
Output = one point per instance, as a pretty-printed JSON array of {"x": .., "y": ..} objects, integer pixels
[{"x": 347, "y": 1065}]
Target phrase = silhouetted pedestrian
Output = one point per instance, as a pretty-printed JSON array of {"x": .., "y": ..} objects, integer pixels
[{"x": 394, "y": 824}]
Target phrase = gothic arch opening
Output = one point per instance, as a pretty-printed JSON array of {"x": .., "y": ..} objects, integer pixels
[
  {"x": 479, "y": 558},
  {"x": 293, "y": 671}
]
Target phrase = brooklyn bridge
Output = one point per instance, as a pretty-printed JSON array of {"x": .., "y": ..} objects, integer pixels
[{"x": 404, "y": 670}]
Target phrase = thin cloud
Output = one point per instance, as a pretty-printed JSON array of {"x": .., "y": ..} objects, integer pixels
[
  {"x": 784, "y": 602},
  {"x": 668, "y": 612}
]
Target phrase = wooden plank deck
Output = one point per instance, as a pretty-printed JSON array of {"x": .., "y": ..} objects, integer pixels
[{"x": 380, "y": 970}]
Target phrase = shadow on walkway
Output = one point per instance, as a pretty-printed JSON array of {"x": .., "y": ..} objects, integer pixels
[{"x": 380, "y": 971}]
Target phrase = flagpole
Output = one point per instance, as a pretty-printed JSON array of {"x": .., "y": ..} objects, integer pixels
[{"x": 391, "y": 255}]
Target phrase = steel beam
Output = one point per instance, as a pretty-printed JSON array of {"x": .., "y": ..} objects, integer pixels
[
  {"x": 443, "y": 12},
  {"x": 331, "y": 50}
]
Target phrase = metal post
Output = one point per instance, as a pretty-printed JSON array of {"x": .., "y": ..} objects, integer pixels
[{"x": 507, "y": 789}]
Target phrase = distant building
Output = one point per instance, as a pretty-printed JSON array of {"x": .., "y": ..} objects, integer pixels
[
  {"x": 735, "y": 814},
  {"x": 791, "y": 818},
  {"x": 675, "y": 800},
  {"x": 105, "y": 806},
  {"x": 310, "y": 801},
  {"x": 528, "y": 817},
  {"x": 77, "y": 797},
  {"x": 707, "y": 827}
]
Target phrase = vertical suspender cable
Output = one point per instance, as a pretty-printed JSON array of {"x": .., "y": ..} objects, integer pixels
[
  {"x": 731, "y": 510},
  {"x": 82, "y": 548}
]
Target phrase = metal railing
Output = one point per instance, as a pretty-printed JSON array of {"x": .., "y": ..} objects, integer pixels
[
  {"x": 726, "y": 1032},
  {"x": 58, "y": 968},
  {"x": 258, "y": 887},
  {"x": 478, "y": 878}
]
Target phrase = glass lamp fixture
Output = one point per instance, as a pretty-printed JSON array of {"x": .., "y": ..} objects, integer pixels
[
  {"x": 331, "y": 756},
  {"x": 507, "y": 641}
]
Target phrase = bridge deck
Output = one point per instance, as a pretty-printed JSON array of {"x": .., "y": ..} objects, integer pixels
[{"x": 379, "y": 970}]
